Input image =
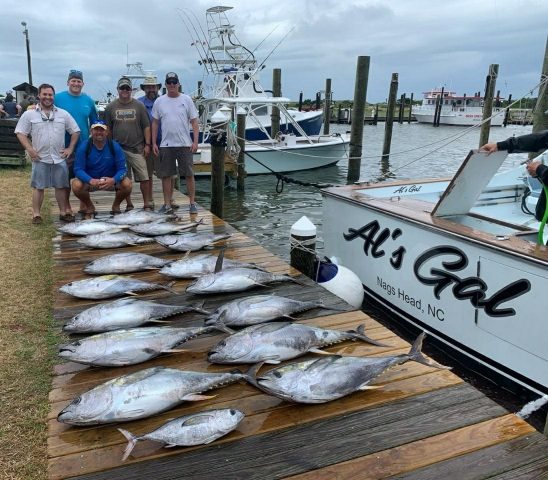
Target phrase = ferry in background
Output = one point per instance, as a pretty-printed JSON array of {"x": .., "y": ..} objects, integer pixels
[{"x": 456, "y": 110}]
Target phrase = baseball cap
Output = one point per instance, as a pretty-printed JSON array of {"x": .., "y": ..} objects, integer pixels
[
  {"x": 76, "y": 74},
  {"x": 172, "y": 76},
  {"x": 124, "y": 81},
  {"x": 98, "y": 124}
]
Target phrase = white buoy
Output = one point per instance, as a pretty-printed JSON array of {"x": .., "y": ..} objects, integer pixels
[{"x": 341, "y": 281}]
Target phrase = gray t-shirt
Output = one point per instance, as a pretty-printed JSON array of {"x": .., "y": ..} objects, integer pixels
[
  {"x": 175, "y": 114},
  {"x": 127, "y": 123}
]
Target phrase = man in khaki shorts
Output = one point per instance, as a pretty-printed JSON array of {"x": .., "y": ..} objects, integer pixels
[
  {"x": 127, "y": 120},
  {"x": 177, "y": 114}
]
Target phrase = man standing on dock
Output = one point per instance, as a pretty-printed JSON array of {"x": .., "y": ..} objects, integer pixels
[
  {"x": 151, "y": 87},
  {"x": 46, "y": 125},
  {"x": 82, "y": 108},
  {"x": 128, "y": 122},
  {"x": 100, "y": 165},
  {"x": 176, "y": 112}
]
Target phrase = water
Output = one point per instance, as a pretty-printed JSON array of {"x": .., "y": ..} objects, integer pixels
[{"x": 267, "y": 216}]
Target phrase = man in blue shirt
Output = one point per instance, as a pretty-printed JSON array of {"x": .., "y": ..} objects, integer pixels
[
  {"x": 82, "y": 108},
  {"x": 100, "y": 165}
]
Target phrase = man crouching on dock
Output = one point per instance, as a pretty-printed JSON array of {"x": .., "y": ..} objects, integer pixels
[{"x": 100, "y": 165}]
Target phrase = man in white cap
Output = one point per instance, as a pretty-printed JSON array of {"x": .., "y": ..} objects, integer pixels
[
  {"x": 177, "y": 114},
  {"x": 151, "y": 87},
  {"x": 100, "y": 165},
  {"x": 128, "y": 122}
]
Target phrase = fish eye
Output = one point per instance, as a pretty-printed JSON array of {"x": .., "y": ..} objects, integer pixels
[
  {"x": 77, "y": 401},
  {"x": 232, "y": 411},
  {"x": 222, "y": 343},
  {"x": 77, "y": 343},
  {"x": 277, "y": 374}
]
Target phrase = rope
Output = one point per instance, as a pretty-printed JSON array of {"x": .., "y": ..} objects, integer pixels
[
  {"x": 532, "y": 407},
  {"x": 285, "y": 179}
]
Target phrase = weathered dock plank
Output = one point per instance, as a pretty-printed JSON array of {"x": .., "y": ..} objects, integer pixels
[{"x": 419, "y": 421}]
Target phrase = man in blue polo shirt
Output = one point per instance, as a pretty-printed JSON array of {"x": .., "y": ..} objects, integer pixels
[{"x": 100, "y": 165}]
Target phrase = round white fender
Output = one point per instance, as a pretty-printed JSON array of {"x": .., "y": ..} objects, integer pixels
[{"x": 341, "y": 281}]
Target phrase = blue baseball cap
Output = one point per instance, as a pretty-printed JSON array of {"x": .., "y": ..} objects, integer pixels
[{"x": 99, "y": 124}]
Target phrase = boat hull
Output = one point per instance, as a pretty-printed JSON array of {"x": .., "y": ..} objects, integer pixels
[
  {"x": 464, "y": 119},
  {"x": 261, "y": 159},
  {"x": 483, "y": 302}
]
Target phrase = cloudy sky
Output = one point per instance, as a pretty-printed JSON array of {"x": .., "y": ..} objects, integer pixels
[{"x": 429, "y": 43}]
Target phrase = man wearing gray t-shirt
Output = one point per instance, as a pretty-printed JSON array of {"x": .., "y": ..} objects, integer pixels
[{"x": 177, "y": 113}]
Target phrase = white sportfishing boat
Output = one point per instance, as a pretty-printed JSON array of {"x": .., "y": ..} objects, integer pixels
[
  {"x": 455, "y": 110},
  {"x": 231, "y": 71},
  {"x": 462, "y": 259}
]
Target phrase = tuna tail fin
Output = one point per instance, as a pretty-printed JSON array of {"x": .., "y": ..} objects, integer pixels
[
  {"x": 131, "y": 441},
  {"x": 416, "y": 355},
  {"x": 251, "y": 375},
  {"x": 220, "y": 326},
  {"x": 199, "y": 307},
  {"x": 321, "y": 304},
  {"x": 359, "y": 334},
  {"x": 219, "y": 262},
  {"x": 168, "y": 286}
]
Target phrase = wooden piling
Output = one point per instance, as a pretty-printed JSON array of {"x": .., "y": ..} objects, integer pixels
[
  {"x": 300, "y": 102},
  {"x": 376, "y": 115},
  {"x": 318, "y": 100},
  {"x": 240, "y": 180},
  {"x": 390, "y": 117},
  {"x": 540, "y": 117},
  {"x": 490, "y": 83},
  {"x": 276, "y": 92},
  {"x": 402, "y": 106},
  {"x": 327, "y": 107},
  {"x": 437, "y": 109},
  {"x": 218, "y": 148},
  {"x": 358, "y": 115},
  {"x": 410, "y": 115},
  {"x": 507, "y": 111}
]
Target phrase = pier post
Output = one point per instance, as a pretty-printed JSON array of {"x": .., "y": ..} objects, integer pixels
[
  {"x": 303, "y": 247},
  {"x": 376, "y": 115},
  {"x": 410, "y": 115},
  {"x": 318, "y": 100},
  {"x": 490, "y": 83},
  {"x": 358, "y": 115},
  {"x": 507, "y": 111},
  {"x": 437, "y": 110},
  {"x": 389, "y": 117},
  {"x": 240, "y": 179},
  {"x": 276, "y": 92},
  {"x": 301, "y": 102},
  {"x": 540, "y": 117},
  {"x": 218, "y": 144},
  {"x": 327, "y": 107},
  {"x": 402, "y": 106}
]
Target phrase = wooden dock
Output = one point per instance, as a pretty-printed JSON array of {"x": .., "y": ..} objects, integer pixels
[{"x": 422, "y": 424}]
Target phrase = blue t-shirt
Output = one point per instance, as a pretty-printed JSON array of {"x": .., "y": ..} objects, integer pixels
[
  {"x": 82, "y": 109},
  {"x": 148, "y": 105},
  {"x": 100, "y": 163}
]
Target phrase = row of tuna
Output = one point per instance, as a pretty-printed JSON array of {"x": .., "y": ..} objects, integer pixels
[{"x": 120, "y": 337}]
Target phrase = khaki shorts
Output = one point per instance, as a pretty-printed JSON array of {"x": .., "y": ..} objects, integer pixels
[
  {"x": 166, "y": 163},
  {"x": 136, "y": 164},
  {"x": 150, "y": 163}
]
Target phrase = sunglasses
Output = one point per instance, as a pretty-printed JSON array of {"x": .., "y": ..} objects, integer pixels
[
  {"x": 124, "y": 87},
  {"x": 76, "y": 72},
  {"x": 172, "y": 82}
]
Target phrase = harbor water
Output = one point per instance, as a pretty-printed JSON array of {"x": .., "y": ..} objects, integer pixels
[{"x": 417, "y": 151}]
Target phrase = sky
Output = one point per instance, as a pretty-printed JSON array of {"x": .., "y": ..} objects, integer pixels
[{"x": 428, "y": 43}]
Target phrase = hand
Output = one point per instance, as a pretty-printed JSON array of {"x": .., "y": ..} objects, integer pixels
[
  {"x": 194, "y": 147},
  {"x": 106, "y": 182},
  {"x": 66, "y": 152},
  {"x": 532, "y": 168},
  {"x": 95, "y": 182},
  {"x": 33, "y": 154},
  {"x": 489, "y": 148},
  {"x": 155, "y": 149},
  {"x": 146, "y": 150}
]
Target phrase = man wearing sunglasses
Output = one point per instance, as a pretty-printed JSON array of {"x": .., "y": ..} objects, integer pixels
[
  {"x": 82, "y": 108},
  {"x": 127, "y": 120},
  {"x": 177, "y": 113},
  {"x": 46, "y": 125}
]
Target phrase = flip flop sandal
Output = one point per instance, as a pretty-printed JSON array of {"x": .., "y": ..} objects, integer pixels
[
  {"x": 37, "y": 220},
  {"x": 129, "y": 208},
  {"x": 67, "y": 217},
  {"x": 116, "y": 212}
]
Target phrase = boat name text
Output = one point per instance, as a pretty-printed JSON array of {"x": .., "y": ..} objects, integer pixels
[
  {"x": 472, "y": 288},
  {"x": 408, "y": 189}
]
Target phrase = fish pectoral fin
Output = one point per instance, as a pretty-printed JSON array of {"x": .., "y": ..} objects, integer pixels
[
  {"x": 170, "y": 445},
  {"x": 289, "y": 317},
  {"x": 134, "y": 413},
  {"x": 195, "y": 397},
  {"x": 363, "y": 388},
  {"x": 272, "y": 361},
  {"x": 320, "y": 352},
  {"x": 160, "y": 321},
  {"x": 175, "y": 350},
  {"x": 131, "y": 293}
]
